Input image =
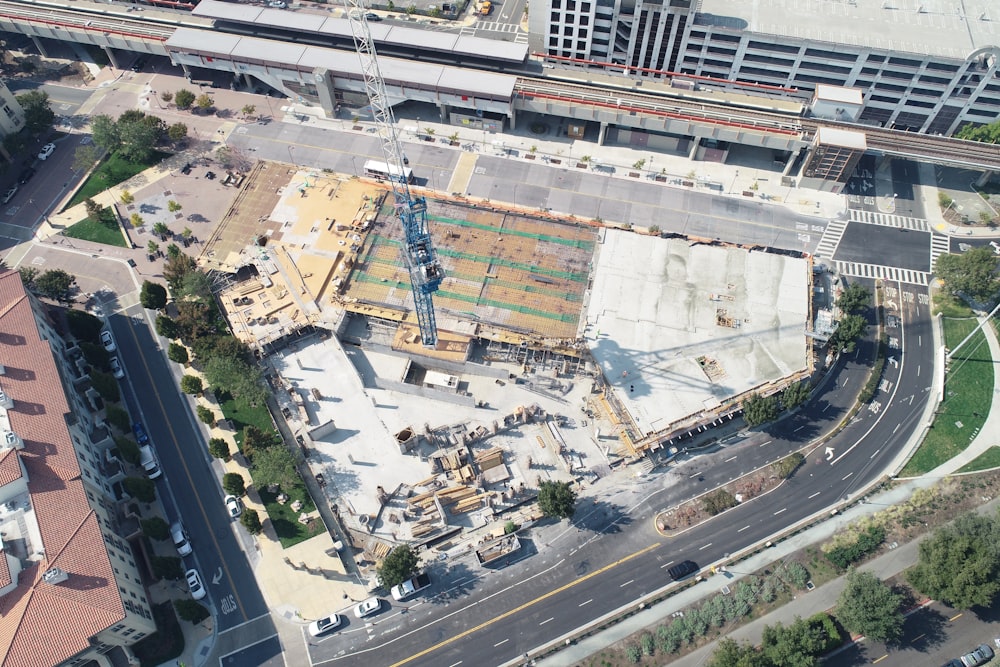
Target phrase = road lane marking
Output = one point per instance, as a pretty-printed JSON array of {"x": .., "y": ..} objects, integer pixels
[
  {"x": 547, "y": 620},
  {"x": 897, "y": 428},
  {"x": 501, "y": 643},
  {"x": 917, "y": 638},
  {"x": 668, "y": 564},
  {"x": 627, "y": 583},
  {"x": 799, "y": 429},
  {"x": 694, "y": 475},
  {"x": 585, "y": 603},
  {"x": 955, "y": 616},
  {"x": 765, "y": 443},
  {"x": 875, "y": 453},
  {"x": 730, "y": 459},
  {"x": 878, "y": 660},
  {"x": 844, "y": 478},
  {"x": 742, "y": 529},
  {"x": 813, "y": 495},
  {"x": 780, "y": 511},
  {"x": 705, "y": 547},
  {"x": 455, "y": 664}
]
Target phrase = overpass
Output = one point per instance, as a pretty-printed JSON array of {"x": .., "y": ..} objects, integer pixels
[{"x": 328, "y": 76}]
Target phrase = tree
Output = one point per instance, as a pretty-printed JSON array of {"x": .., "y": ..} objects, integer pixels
[
  {"x": 248, "y": 110},
  {"x": 759, "y": 409},
  {"x": 198, "y": 285},
  {"x": 184, "y": 98},
  {"x": 194, "y": 319},
  {"x": 191, "y": 384},
  {"x": 177, "y": 132},
  {"x": 95, "y": 355},
  {"x": 38, "y": 114},
  {"x": 84, "y": 326},
  {"x": 15, "y": 143},
  {"x": 236, "y": 376},
  {"x": 104, "y": 133},
  {"x": 153, "y": 295},
  {"x": 795, "y": 395},
  {"x": 869, "y": 607},
  {"x": 85, "y": 157},
  {"x": 167, "y": 567},
  {"x": 173, "y": 206},
  {"x": 106, "y": 385},
  {"x": 799, "y": 644},
  {"x": 166, "y": 327},
  {"x": 140, "y": 488},
  {"x": 155, "y": 528},
  {"x": 728, "y": 653},
  {"x": 399, "y": 565},
  {"x": 126, "y": 197},
  {"x": 176, "y": 267},
  {"x": 127, "y": 449},
  {"x": 233, "y": 483},
  {"x": 274, "y": 465},
  {"x": 204, "y": 102},
  {"x": 959, "y": 563},
  {"x": 251, "y": 521},
  {"x": 219, "y": 448},
  {"x": 28, "y": 275},
  {"x": 55, "y": 284},
  {"x": 849, "y": 330},
  {"x": 190, "y": 611},
  {"x": 972, "y": 273},
  {"x": 255, "y": 439},
  {"x": 556, "y": 499},
  {"x": 174, "y": 251},
  {"x": 988, "y": 134},
  {"x": 166, "y": 96},
  {"x": 136, "y": 220},
  {"x": 93, "y": 209},
  {"x": 117, "y": 417},
  {"x": 179, "y": 355},
  {"x": 854, "y": 299},
  {"x": 138, "y": 139},
  {"x": 161, "y": 229},
  {"x": 205, "y": 415}
]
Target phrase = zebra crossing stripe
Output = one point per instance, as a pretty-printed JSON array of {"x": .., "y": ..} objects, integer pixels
[{"x": 877, "y": 272}]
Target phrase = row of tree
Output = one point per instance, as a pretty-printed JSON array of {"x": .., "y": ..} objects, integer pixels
[{"x": 134, "y": 135}]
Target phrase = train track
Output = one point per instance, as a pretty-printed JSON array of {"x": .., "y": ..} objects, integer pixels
[{"x": 107, "y": 23}]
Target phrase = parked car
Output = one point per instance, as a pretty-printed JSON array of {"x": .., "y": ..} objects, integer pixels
[
  {"x": 372, "y": 16},
  {"x": 180, "y": 538},
  {"x": 682, "y": 569},
  {"x": 138, "y": 64},
  {"x": 7, "y": 196},
  {"x": 325, "y": 625},
  {"x": 140, "y": 433},
  {"x": 278, "y": 4},
  {"x": 46, "y": 151},
  {"x": 368, "y": 607},
  {"x": 26, "y": 175},
  {"x": 233, "y": 506},
  {"x": 116, "y": 368},
  {"x": 195, "y": 584},
  {"x": 980, "y": 656},
  {"x": 107, "y": 340}
]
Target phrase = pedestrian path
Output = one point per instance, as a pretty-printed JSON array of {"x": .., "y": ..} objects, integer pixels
[
  {"x": 832, "y": 235},
  {"x": 889, "y": 220},
  {"x": 940, "y": 245},
  {"x": 874, "y": 271}
]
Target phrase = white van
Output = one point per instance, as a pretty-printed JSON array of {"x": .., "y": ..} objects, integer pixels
[{"x": 147, "y": 459}]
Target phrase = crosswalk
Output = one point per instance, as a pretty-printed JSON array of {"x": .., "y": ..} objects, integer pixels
[
  {"x": 831, "y": 238},
  {"x": 940, "y": 245},
  {"x": 520, "y": 37},
  {"x": 874, "y": 271},
  {"x": 889, "y": 220}
]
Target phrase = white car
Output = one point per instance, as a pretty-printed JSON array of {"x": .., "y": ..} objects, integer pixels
[
  {"x": 107, "y": 341},
  {"x": 325, "y": 625},
  {"x": 180, "y": 537},
  {"x": 46, "y": 151},
  {"x": 368, "y": 607},
  {"x": 7, "y": 196},
  {"x": 195, "y": 584},
  {"x": 996, "y": 247},
  {"x": 116, "y": 368},
  {"x": 233, "y": 506}
]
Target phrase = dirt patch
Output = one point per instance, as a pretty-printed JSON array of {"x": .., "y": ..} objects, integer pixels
[{"x": 695, "y": 511}]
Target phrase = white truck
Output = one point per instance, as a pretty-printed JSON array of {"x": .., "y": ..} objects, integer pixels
[
  {"x": 410, "y": 587},
  {"x": 147, "y": 459}
]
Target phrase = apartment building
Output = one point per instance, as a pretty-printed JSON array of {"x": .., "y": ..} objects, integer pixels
[
  {"x": 70, "y": 591},
  {"x": 11, "y": 113},
  {"x": 923, "y": 65}
]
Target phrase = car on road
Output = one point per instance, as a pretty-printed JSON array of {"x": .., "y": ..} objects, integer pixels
[
  {"x": 46, "y": 151},
  {"x": 372, "y": 16},
  {"x": 140, "y": 433},
  {"x": 996, "y": 247},
  {"x": 325, "y": 625},
  {"x": 116, "y": 368},
  {"x": 278, "y": 4},
  {"x": 368, "y": 607},
  {"x": 980, "y": 656},
  {"x": 7, "y": 196},
  {"x": 107, "y": 341},
  {"x": 180, "y": 538},
  {"x": 195, "y": 584},
  {"x": 682, "y": 569},
  {"x": 234, "y": 507},
  {"x": 26, "y": 175}
]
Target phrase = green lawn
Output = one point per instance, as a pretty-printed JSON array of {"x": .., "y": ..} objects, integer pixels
[
  {"x": 968, "y": 393},
  {"x": 112, "y": 171},
  {"x": 243, "y": 414},
  {"x": 986, "y": 461},
  {"x": 286, "y": 521},
  {"x": 949, "y": 306},
  {"x": 107, "y": 231}
]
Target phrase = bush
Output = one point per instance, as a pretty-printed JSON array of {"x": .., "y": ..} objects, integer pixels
[
  {"x": 84, "y": 326},
  {"x": 634, "y": 653},
  {"x": 167, "y": 567},
  {"x": 140, "y": 488},
  {"x": 830, "y": 632},
  {"x": 233, "y": 483},
  {"x": 797, "y": 574},
  {"x": 106, "y": 385},
  {"x": 205, "y": 415},
  {"x": 718, "y": 502},
  {"x": 118, "y": 418},
  {"x": 178, "y": 354},
  {"x": 192, "y": 384},
  {"x": 251, "y": 521},
  {"x": 155, "y": 528},
  {"x": 190, "y": 611},
  {"x": 648, "y": 643},
  {"x": 219, "y": 448},
  {"x": 166, "y": 327},
  {"x": 786, "y": 466},
  {"x": 153, "y": 295},
  {"x": 867, "y": 542},
  {"x": 127, "y": 449}
]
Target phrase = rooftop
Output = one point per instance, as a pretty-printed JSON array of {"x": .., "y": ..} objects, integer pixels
[{"x": 922, "y": 27}]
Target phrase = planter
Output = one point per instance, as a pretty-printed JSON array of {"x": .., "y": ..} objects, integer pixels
[
  {"x": 529, "y": 156},
  {"x": 634, "y": 174},
  {"x": 581, "y": 165}
]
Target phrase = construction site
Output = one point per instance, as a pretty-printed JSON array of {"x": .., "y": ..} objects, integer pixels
[{"x": 563, "y": 349}]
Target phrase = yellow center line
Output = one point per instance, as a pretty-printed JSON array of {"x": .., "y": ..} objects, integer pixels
[
  {"x": 955, "y": 616},
  {"x": 878, "y": 660},
  {"x": 524, "y": 606},
  {"x": 187, "y": 471}
]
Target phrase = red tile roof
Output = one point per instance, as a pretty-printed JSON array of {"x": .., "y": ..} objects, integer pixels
[
  {"x": 37, "y": 612},
  {"x": 10, "y": 469},
  {"x": 5, "y": 578}
]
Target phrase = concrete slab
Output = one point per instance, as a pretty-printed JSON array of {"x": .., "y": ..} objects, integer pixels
[{"x": 679, "y": 328}]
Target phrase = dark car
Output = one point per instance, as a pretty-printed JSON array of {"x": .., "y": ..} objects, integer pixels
[
  {"x": 138, "y": 64},
  {"x": 26, "y": 175},
  {"x": 682, "y": 569}
]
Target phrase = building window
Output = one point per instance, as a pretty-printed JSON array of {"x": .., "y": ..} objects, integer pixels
[
  {"x": 555, "y": 17},
  {"x": 567, "y": 43},
  {"x": 7, "y": 110},
  {"x": 556, "y": 4},
  {"x": 582, "y": 45},
  {"x": 584, "y": 6},
  {"x": 584, "y": 20},
  {"x": 553, "y": 41},
  {"x": 568, "y": 31},
  {"x": 582, "y": 33}
]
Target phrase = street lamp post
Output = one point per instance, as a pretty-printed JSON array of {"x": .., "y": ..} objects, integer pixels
[{"x": 291, "y": 156}]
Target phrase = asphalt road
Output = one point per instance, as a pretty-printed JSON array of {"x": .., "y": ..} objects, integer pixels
[
  {"x": 613, "y": 556},
  {"x": 885, "y": 246},
  {"x": 193, "y": 493}
]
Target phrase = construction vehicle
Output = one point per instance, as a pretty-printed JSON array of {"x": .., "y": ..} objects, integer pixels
[
  {"x": 418, "y": 253},
  {"x": 485, "y": 7},
  {"x": 491, "y": 552}
]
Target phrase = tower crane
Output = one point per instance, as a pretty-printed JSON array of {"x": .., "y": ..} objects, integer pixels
[{"x": 418, "y": 251}]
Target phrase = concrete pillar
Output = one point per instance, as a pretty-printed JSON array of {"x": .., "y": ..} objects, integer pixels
[
  {"x": 443, "y": 110},
  {"x": 112, "y": 58},
  {"x": 513, "y": 117},
  {"x": 602, "y": 135},
  {"x": 985, "y": 178},
  {"x": 39, "y": 46},
  {"x": 693, "y": 153},
  {"x": 186, "y": 70},
  {"x": 248, "y": 81},
  {"x": 789, "y": 164},
  {"x": 325, "y": 92}
]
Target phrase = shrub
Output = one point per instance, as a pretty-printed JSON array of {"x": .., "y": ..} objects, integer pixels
[
  {"x": 205, "y": 415},
  {"x": 219, "y": 448},
  {"x": 648, "y": 643},
  {"x": 155, "y": 528},
  {"x": 140, "y": 488},
  {"x": 634, "y": 653},
  {"x": 234, "y": 484},
  {"x": 127, "y": 449},
  {"x": 167, "y": 567},
  {"x": 192, "y": 384},
  {"x": 106, "y": 385},
  {"x": 118, "y": 418},
  {"x": 867, "y": 542},
  {"x": 788, "y": 465},
  {"x": 178, "y": 354},
  {"x": 166, "y": 327},
  {"x": 718, "y": 502},
  {"x": 251, "y": 521},
  {"x": 190, "y": 611}
]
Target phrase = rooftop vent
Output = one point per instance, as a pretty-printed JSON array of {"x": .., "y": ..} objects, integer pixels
[
  {"x": 11, "y": 439},
  {"x": 54, "y": 576},
  {"x": 6, "y": 402}
]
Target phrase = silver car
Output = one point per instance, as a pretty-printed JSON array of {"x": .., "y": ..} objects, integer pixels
[
  {"x": 368, "y": 607},
  {"x": 325, "y": 625}
]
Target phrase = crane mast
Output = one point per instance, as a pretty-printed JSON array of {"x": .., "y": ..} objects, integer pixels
[{"x": 418, "y": 251}]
